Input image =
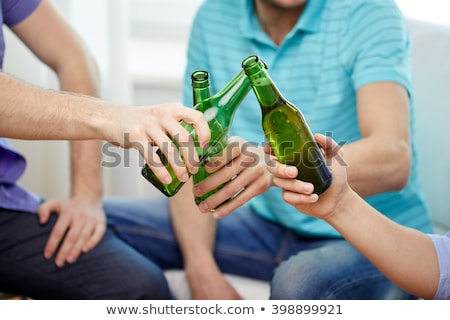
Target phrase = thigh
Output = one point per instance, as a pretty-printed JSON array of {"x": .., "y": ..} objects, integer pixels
[
  {"x": 250, "y": 246},
  {"x": 112, "y": 270},
  {"x": 331, "y": 269},
  {"x": 145, "y": 225}
]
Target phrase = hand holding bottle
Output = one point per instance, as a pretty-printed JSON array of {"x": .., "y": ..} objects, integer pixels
[
  {"x": 219, "y": 111},
  {"x": 294, "y": 190},
  {"x": 144, "y": 128},
  {"x": 245, "y": 165},
  {"x": 286, "y": 129}
]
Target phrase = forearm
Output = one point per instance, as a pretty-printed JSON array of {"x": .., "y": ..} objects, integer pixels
[
  {"x": 81, "y": 76},
  {"x": 381, "y": 160},
  {"x": 376, "y": 165},
  {"x": 29, "y": 112},
  {"x": 86, "y": 171},
  {"x": 194, "y": 230},
  {"x": 406, "y": 256}
]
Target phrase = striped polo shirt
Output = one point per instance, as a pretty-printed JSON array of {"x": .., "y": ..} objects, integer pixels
[{"x": 335, "y": 48}]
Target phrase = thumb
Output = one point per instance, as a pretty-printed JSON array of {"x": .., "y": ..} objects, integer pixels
[{"x": 45, "y": 210}]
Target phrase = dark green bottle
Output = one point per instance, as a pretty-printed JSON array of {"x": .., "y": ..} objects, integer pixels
[
  {"x": 219, "y": 111},
  {"x": 286, "y": 129}
]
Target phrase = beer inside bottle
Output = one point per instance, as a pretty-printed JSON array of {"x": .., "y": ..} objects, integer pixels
[{"x": 286, "y": 129}]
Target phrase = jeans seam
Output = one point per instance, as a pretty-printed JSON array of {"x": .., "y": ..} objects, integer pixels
[
  {"x": 247, "y": 254},
  {"x": 348, "y": 282},
  {"x": 280, "y": 256},
  {"x": 142, "y": 232}
]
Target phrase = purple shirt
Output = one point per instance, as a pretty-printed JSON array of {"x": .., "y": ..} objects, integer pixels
[
  {"x": 12, "y": 164},
  {"x": 12, "y": 12},
  {"x": 442, "y": 246}
]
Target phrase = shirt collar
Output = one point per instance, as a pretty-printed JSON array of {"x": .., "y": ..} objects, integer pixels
[{"x": 309, "y": 21}]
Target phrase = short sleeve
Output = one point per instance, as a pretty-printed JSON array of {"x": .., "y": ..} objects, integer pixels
[
  {"x": 442, "y": 246},
  {"x": 376, "y": 44},
  {"x": 15, "y": 11}
]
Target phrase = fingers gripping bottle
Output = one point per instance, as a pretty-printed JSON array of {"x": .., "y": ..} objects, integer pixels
[
  {"x": 201, "y": 90},
  {"x": 219, "y": 111},
  {"x": 286, "y": 129}
]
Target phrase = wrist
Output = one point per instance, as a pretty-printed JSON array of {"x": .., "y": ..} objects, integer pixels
[
  {"x": 94, "y": 198},
  {"x": 345, "y": 204},
  {"x": 200, "y": 270},
  {"x": 104, "y": 122}
]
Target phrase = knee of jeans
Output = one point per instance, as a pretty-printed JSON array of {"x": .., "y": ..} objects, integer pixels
[{"x": 296, "y": 281}]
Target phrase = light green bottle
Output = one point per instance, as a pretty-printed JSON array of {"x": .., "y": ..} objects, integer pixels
[
  {"x": 201, "y": 90},
  {"x": 286, "y": 129},
  {"x": 219, "y": 111}
]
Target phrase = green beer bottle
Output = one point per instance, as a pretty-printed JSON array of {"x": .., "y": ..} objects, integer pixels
[
  {"x": 219, "y": 110},
  {"x": 201, "y": 90},
  {"x": 285, "y": 128}
]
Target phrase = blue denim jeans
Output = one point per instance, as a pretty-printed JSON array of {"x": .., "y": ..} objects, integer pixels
[
  {"x": 247, "y": 245},
  {"x": 112, "y": 270}
]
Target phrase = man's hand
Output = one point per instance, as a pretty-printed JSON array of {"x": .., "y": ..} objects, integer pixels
[
  {"x": 247, "y": 166},
  {"x": 78, "y": 229},
  {"x": 242, "y": 166},
  {"x": 158, "y": 125},
  {"x": 326, "y": 205}
]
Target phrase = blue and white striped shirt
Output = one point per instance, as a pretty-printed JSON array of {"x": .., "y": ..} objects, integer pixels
[{"x": 335, "y": 48}]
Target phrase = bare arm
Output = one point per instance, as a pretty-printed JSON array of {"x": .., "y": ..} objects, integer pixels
[
  {"x": 55, "y": 43},
  {"x": 196, "y": 231},
  {"x": 406, "y": 256},
  {"x": 52, "y": 40},
  {"x": 32, "y": 113},
  {"x": 381, "y": 160},
  {"x": 196, "y": 234}
]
